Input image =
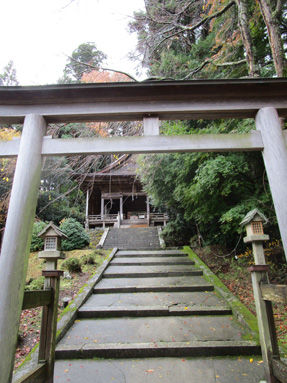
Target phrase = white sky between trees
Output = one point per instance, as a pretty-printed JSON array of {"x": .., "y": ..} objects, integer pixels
[{"x": 38, "y": 35}]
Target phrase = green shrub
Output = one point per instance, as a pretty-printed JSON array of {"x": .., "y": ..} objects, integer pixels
[
  {"x": 37, "y": 243},
  {"x": 77, "y": 237},
  {"x": 73, "y": 265},
  {"x": 36, "y": 284},
  {"x": 88, "y": 259}
]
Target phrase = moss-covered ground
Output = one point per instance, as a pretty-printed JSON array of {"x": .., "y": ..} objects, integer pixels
[{"x": 233, "y": 273}]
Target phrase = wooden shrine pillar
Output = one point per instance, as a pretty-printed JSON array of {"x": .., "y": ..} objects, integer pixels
[
  {"x": 147, "y": 210},
  {"x": 102, "y": 207},
  {"x": 17, "y": 238},
  {"x": 87, "y": 210},
  {"x": 275, "y": 159},
  {"x": 121, "y": 208}
]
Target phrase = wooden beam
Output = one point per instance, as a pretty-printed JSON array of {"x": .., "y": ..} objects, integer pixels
[
  {"x": 146, "y": 144},
  {"x": 274, "y": 293},
  {"x": 154, "y": 144},
  {"x": 132, "y": 111},
  {"x": 208, "y": 99},
  {"x": 36, "y": 298}
]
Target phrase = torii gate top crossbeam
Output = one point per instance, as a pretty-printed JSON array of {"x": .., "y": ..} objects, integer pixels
[{"x": 208, "y": 99}]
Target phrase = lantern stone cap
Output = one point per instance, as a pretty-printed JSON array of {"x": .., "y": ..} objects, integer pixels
[
  {"x": 56, "y": 229},
  {"x": 256, "y": 238},
  {"x": 253, "y": 215},
  {"x": 51, "y": 254}
]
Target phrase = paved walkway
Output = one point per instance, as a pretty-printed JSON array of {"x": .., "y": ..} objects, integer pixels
[{"x": 153, "y": 318}]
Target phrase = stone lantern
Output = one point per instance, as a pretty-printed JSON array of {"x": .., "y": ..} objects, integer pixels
[
  {"x": 52, "y": 236},
  {"x": 253, "y": 222}
]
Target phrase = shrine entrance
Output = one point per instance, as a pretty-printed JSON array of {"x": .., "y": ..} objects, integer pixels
[{"x": 150, "y": 102}]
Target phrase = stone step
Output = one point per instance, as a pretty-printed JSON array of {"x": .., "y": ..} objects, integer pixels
[
  {"x": 160, "y": 370},
  {"x": 150, "y": 253},
  {"x": 166, "y": 299},
  {"x": 150, "y": 271},
  {"x": 162, "y": 349},
  {"x": 190, "y": 335},
  {"x": 145, "y": 289},
  {"x": 173, "y": 284},
  {"x": 145, "y": 311},
  {"x": 152, "y": 274},
  {"x": 151, "y": 261},
  {"x": 133, "y": 238}
]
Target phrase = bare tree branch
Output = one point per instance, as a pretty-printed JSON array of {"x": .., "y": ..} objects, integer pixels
[
  {"x": 175, "y": 15},
  {"x": 198, "y": 69},
  {"x": 109, "y": 69},
  {"x": 120, "y": 71},
  {"x": 278, "y": 8},
  {"x": 210, "y": 61},
  {"x": 231, "y": 63},
  {"x": 67, "y": 5},
  {"x": 59, "y": 197},
  {"x": 207, "y": 18},
  {"x": 184, "y": 28}
]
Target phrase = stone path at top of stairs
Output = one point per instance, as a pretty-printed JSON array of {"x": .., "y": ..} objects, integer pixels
[
  {"x": 154, "y": 318},
  {"x": 132, "y": 238}
]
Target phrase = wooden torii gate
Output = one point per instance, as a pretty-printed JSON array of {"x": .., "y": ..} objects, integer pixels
[{"x": 263, "y": 99}]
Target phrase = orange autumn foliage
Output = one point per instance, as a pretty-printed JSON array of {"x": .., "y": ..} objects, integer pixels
[
  {"x": 96, "y": 76},
  {"x": 104, "y": 76}
]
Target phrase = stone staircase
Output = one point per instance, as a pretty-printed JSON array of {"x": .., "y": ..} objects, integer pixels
[
  {"x": 132, "y": 238},
  {"x": 154, "y": 318}
]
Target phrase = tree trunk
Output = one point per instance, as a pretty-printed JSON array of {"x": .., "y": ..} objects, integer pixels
[
  {"x": 246, "y": 37},
  {"x": 271, "y": 19}
]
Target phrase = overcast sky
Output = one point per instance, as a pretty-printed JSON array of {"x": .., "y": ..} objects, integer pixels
[{"x": 39, "y": 34}]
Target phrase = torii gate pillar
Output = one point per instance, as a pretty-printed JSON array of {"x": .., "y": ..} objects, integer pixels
[
  {"x": 275, "y": 160},
  {"x": 17, "y": 237}
]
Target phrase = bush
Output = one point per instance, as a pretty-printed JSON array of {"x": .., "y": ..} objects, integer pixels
[
  {"x": 77, "y": 237},
  {"x": 36, "y": 284},
  {"x": 88, "y": 259},
  {"x": 72, "y": 265},
  {"x": 37, "y": 243}
]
